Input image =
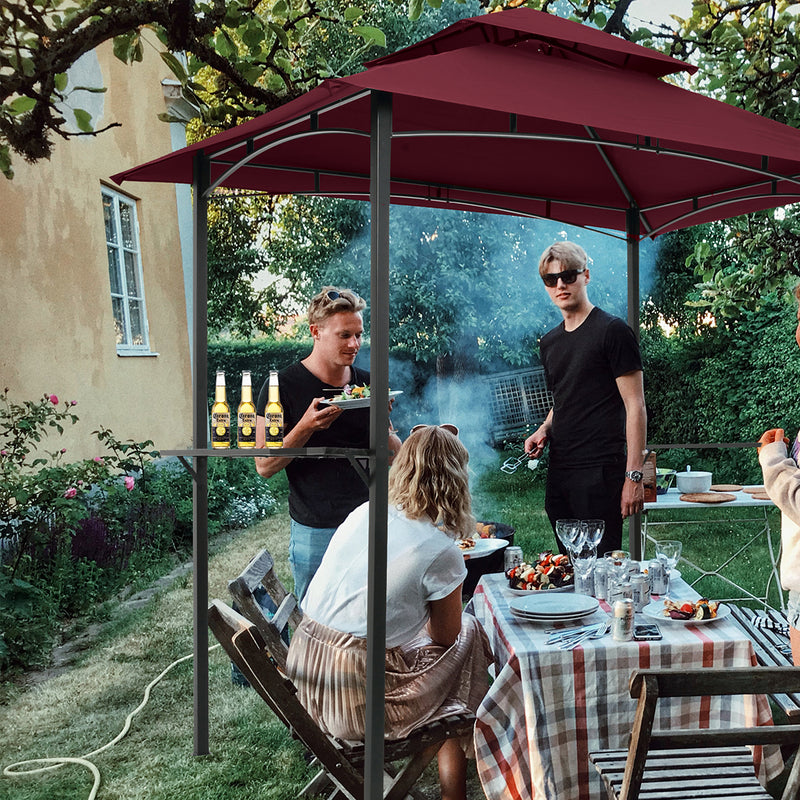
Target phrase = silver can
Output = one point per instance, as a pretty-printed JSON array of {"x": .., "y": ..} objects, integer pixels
[
  {"x": 659, "y": 577},
  {"x": 619, "y": 590},
  {"x": 622, "y": 623},
  {"x": 601, "y": 573},
  {"x": 641, "y": 591},
  {"x": 512, "y": 558}
]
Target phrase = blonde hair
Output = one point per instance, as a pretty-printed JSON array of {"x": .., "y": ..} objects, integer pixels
[
  {"x": 571, "y": 256},
  {"x": 429, "y": 479},
  {"x": 324, "y": 305}
]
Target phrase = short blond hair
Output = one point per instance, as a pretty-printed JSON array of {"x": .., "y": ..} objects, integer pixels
[
  {"x": 332, "y": 300},
  {"x": 429, "y": 479},
  {"x": 571, "y": 256}
]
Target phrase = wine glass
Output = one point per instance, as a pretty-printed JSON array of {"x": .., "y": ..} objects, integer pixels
[
  {"x": 594, "y": 530},
  {"x": 583, "y": 561},
  {"x": 569, "y": 533},
  {"x": 669, "y": 551}
]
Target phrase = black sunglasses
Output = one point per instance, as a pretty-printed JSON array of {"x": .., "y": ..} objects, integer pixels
[
  {"x": 333, "y": 295},
  {"x": 568, "y": 276}
]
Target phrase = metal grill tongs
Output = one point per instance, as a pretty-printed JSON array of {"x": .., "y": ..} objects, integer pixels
[{"x": 513, "y": 463}]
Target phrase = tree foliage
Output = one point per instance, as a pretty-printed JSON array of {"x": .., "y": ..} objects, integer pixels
[{"x": 234, "y": 58}]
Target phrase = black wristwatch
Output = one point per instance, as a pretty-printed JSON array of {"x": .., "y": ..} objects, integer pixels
[{"x": 635, "y": 475}]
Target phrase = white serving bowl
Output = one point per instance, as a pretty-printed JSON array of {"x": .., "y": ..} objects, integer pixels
[{"x": 693, "y": 481}]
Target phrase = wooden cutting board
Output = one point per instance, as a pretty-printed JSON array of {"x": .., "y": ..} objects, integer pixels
[
  {"x": 707, "y": 497},
  {"x": 760, "y": 496},
  {"x": 726, "y": 487},
  {"x": 754, "y": 489}
]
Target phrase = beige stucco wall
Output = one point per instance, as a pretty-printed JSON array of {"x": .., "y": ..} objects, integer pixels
[{"x": 56, "y": 324}]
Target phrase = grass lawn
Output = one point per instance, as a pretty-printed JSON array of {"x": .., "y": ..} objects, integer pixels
[{"x": 251, "y": 754}]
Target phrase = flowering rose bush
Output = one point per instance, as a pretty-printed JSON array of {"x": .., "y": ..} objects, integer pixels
[{"x": 74, "y": 534}]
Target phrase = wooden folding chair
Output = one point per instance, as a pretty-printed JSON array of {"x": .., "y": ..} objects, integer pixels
[
  {"x": 695, "y": 763},
  {"x": 341, "y": 763},
  {"x": 275, "y": 630}
]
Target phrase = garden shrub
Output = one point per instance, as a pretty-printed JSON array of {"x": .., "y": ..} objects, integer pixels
[{"x": 74, "y": 534}]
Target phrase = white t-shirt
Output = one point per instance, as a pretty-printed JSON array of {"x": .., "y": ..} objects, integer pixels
[{"x": 423, "y": 564}]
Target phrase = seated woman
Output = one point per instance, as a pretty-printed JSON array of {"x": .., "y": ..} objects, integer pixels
[{"x": 436, "y": 658}]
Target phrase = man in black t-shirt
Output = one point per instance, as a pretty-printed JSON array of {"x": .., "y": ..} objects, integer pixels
[
  {"x": 322, "y": 492},
  {"x": 597, "y": 427}
]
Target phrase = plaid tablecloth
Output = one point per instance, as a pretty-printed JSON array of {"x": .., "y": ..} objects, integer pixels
[{"x": 547, "y": 709}]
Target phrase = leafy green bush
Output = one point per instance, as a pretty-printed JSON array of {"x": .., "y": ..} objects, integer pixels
[{"x": 73, "y": 534}]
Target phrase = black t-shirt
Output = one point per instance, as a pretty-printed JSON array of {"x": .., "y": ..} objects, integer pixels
[
  {"x": 322, "y": 491},
  {"x": 581, "y": 368}
]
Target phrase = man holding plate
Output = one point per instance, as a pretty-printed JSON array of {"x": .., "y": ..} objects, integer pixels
[{"x": 322, "y": 492}]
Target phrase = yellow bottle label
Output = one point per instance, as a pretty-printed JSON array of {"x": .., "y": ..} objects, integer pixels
[
  {"x": 273, "y": 428},
  {"x": 246, "y": 429},
  {"x": 220, "y": 429}
]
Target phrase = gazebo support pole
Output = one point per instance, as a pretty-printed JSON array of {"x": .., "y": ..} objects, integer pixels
[
  {"x": 200, "y": 437},
  {"x": 635, "y": 544},
  {"x": 380, "y": 157}
]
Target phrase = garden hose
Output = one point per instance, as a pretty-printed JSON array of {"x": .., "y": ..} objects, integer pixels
[{"x": 14, "y": 771}]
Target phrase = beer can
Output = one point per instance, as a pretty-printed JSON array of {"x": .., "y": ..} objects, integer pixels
[
  {"x": 641, "y": 591},
  {"x": 622, "y": 623},
  {"x": 601, "y": 574},
  {"x": 659, "y": 578},
  {"x": 512, "y": 557},
  {"x": 619, "y": 590}
]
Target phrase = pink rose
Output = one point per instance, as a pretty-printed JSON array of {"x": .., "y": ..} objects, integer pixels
[
  {"x": 54, "y": 399},
  {"x": 98, "y": 459},
  {"x": 3, "y": 452},
  {"x": 71, "y": 492},
  {"x": 73, "y": 402},
  {"x": 129, "y": 482},
  {"x": 63, "y": 449}
]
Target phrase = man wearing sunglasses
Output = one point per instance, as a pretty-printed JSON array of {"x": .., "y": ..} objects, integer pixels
[
  {"x": 597, "y": 427},
  {"x": 322, "y": 492}
]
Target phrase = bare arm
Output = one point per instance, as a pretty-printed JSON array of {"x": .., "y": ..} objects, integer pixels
[
  {"x": 631, "y": 390},
  {"x": 534, "y": 444},
  {"x": 315, "y": 418},
  {"x": 444, "y": 624}
]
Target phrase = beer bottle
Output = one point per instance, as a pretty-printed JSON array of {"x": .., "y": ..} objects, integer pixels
[
  {"x": 246, "y": 416},
  {"x": 273, "y": 414},
  {"x": 220, "y": 415}
]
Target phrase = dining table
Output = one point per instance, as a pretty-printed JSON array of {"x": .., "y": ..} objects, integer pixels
[{"x": 548, "y": 708}]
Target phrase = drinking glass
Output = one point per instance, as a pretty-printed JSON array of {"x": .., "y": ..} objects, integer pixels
[
  {"x": 583, "y": 561},
  {"x": 594, "y": 530},
  {"x": 569, "y": 532},
  {"x": 618, "y": 564},
  {"x": 669, "y": 551}
]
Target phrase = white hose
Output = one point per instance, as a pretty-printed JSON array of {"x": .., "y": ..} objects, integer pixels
[{"x": 13, "y": 771}]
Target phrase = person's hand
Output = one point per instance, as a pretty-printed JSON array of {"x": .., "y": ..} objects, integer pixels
[
  {"x": 317, "y": 417},
  {"x": 632, "y": 498},
  {"x": 773, "y": 435},
  {"x": 534, "y": 444}
]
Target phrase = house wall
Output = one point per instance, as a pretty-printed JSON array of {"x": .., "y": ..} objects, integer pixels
[{"x": 56, "y": 324}]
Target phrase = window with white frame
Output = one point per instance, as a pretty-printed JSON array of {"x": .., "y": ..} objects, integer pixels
[{"x": 125, "y": 273}]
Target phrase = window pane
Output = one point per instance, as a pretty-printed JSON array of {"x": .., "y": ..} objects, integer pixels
[
  {"x": 137, "y": 323},
  {"x": 119, "y": 319},
  {"x": 131, "y": 274},
  {"x": 125, "y": 216},
  {"x": 108, "y": 216},
  {"x": 113, "y": 270}
]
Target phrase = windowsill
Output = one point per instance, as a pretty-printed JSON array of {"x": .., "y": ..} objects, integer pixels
[{"x": 136, "y": 354}]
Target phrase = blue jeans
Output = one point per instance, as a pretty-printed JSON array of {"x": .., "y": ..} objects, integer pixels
[{"x": 307, "y": 546}]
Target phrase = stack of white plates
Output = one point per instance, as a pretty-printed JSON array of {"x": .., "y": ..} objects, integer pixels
[{"x": 550, "y": 607}]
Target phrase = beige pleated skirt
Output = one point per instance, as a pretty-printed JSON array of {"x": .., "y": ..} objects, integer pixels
[{"x": 424, "y": 681}]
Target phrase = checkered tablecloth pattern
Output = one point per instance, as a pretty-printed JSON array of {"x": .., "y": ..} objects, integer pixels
[{"x": 547, "y": 709}]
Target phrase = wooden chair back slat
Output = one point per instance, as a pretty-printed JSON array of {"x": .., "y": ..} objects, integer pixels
[{"x": 695, "y": 762}]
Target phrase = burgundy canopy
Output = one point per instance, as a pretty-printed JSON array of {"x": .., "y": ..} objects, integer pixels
[{"x": 517, "y": 112}]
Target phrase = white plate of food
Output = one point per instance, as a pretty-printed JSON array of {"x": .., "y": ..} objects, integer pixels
[
  {"x": 353, "y": 402},
  {"x": 656, "y": 610},
  {"x": 483, "y": 547}
]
